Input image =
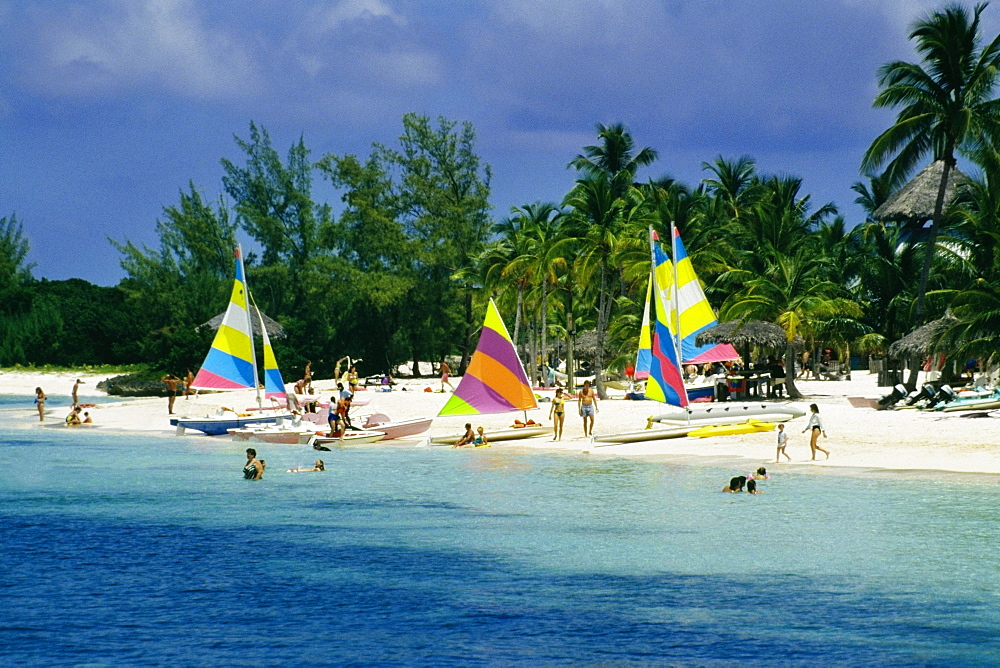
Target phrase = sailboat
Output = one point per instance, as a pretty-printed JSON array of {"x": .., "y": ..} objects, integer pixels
[
  {"x": 231, "y": 365},
  {"x": 495, "y": 382},
  {"x": 682, "y": 310}
]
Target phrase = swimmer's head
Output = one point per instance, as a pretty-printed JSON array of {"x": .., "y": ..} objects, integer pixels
[
  {"x": 751, "y": 486},
  {"x": 761, "y": 472},
  {"x": 251, "y": 452}
]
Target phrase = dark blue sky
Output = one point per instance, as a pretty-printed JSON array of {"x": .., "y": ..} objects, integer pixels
[{"x": 108, "y": 108}]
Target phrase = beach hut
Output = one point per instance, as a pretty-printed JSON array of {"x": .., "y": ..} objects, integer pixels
[
  {"x": 274, "y": 330},
  {"x": 745, "y": 335},
  {"x": 914, "y": 202},
  {"x": 921, "y": 342}
]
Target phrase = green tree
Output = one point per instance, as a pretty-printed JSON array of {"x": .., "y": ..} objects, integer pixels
[{"x": 947, "y": 107}]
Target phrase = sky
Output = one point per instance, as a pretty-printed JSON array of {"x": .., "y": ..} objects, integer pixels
[{"x": 110, "y": 108}]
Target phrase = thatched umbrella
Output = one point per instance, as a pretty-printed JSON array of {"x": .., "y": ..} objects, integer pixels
[
  {"x": 920, "y": 342},
  {"x": 915, "y": 201},
  {"x": 274, "y": 330},
  {"x": 743, "y": 335}
]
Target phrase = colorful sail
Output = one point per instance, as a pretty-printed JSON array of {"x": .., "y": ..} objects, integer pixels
[
  {"x": 645, "y": 355},
  {"x": 495, "y": 381},
  {"x": 694, "y": 313},
  {"x": 665, "y": 381},
  {"x": 229, "y": 364},
  {"x": 274, "y": 386}
]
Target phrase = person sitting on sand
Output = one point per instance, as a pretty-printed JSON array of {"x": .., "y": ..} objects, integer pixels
[
  {"x": 318, "y": 466},
  {"x": 467, "y": 438},
  {"x": 735, "y": 485},
  {"x": 752, "y": 487},
  {"x": 87, "y": 419},
  {"x": 73, "y": 419},
  {"x": 480, "y": 440}
]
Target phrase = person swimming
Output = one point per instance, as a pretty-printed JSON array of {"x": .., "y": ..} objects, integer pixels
[
  {"x": 752, "y": 487},
  {"x": 736, "y": 484}
]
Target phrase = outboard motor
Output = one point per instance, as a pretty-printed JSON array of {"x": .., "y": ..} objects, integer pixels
[
  {"x": 925, "y": 393},
  {"x": 942, "y": 396},
  {"x": 898, "y": 394}
]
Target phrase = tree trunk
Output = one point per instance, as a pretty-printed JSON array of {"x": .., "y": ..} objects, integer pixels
[
  {"x": 532, "y": 354},
  {"x": 470, "y": 333},
  {"x": 545, "y": 350},
  {"x": 517, "y": 313},
  {"x": 925, "y": 271},
  {"x": 603, "y": 312},
  {"x": 570, "y": 341},
  {"x": 793, "y": 392}
]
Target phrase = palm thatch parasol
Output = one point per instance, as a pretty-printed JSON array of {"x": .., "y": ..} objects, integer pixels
[
  {"x": 274, "y": 330},
  {"x": 743, "y": 335},
  {"x": 921, "y": 341},
  {"x": 915, "y": 200}
]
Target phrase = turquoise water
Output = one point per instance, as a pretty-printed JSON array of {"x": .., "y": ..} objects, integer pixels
[{"x": 123, "y": 550}]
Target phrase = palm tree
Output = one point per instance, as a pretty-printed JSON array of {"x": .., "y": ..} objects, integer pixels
[
  {"x": 947, "y": 107},
  {"x": 614, "y": 159}
]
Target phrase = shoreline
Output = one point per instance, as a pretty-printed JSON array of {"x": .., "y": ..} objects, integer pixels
[{"x": 859, "y": 438}]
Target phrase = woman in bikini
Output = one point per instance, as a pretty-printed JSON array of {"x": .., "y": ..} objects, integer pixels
[
  {"x": 557, "y": 414},
  {"x": 816, "y": 425},
  {"x": 40, "y": 401},
  {"x": 254, "y": 469}
]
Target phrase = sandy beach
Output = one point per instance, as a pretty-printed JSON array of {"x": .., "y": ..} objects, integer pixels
[{"x": 858, "y": 437}]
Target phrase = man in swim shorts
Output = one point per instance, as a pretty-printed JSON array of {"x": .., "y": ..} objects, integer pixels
[{"x": 588, "y": 407}]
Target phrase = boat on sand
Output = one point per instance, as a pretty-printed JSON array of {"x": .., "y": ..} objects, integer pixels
[{"x": 394, "y": 429}]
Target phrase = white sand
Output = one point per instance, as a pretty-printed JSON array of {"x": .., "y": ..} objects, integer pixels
[{"x": 857, "y": 437}]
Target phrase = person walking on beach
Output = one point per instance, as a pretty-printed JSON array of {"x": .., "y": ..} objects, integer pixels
[
  {"x": 76, "y": 388},
  {"x": 782, "y": 442},
  {"x": 588, "y": 407},
  {"x": 40, "y": 403},
  {"x": 254, "y": 468},
  {"x": 445, "y": 373},
  {"x": 557, "y": 413},
  {"x": 171, "y": 381},
  {"x": 816, "y": 425}
]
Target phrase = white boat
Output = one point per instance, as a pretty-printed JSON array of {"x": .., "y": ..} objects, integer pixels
[
  {"x": 394, "y": 429},
  {"x": 350, "y": 438},
  {"x": 729, "y": 413},
  {"x": 231, "y": 365},
  {"x": 277, "y": 434},
  {"x": 640, "y": 435}
]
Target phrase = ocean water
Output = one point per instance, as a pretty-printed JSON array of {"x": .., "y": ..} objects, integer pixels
[{"x": 137, "y": 550}]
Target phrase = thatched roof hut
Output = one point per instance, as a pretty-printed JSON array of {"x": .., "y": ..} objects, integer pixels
[
  {"x": 920, "y": 342},
  {"x": 274, "y": 330},
  {"x": 745, "y": 334},
  {"x": 585, "y": 343},
  {"x": 916, "y": 199}
]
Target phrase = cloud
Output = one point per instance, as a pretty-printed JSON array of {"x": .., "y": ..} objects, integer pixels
[{"x": 90, "y": 49}]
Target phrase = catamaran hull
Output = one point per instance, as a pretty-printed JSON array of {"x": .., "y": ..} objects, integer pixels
[
  {"x": 402, "y": 428},
  {"x": 221, "y": 425},
  {"x": 730, "y": 413},
  {"x": 642, "y": 435},
  {"x": 350, "y": 438},
  {"x": 502, "y": 435},
  {"x": 749, "y": 427}
]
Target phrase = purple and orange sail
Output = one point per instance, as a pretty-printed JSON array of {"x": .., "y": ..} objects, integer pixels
[{"x": 495, "y": 381}]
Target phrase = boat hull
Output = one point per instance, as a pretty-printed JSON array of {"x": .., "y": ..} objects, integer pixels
[
  {"x": 729, "y": 413},
  {"x": 749, "y": 427},
  {"x": 217, "y": 426},
  {"x": 350, "y": 438},
  {"x": 502, "y": 435},
  {"x": 394, "y": 429},
  {"x": 642, "y": 435}
]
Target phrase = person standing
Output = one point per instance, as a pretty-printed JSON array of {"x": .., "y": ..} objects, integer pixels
[
  {"x": 557, "y": 413},
  {"x": 445, "y": 373},
  {"x": 782, "y": 442},
  {"x": 40, "y": 403},
  {"x": 188, "y": 382},
  {"x": 816, "y": 425},
  {"x": 171, "y": 381},
  {"x": 76, "y": 388},
  {"x": 333, "y": 418},
  {"x": 588, "y": 407},
  {"x": 254, "y": 468},
  {"x": 352, "y": 379}
]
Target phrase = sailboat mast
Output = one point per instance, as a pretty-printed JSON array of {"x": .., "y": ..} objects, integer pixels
[
  {"x": 675, "y": 297},
  {"x": 253, "y": 352}
]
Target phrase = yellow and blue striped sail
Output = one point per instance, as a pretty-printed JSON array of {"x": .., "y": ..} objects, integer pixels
[
  {"x": 274, "y": 386},
  {"x": 229, "y": 364},
  {"x": 645, "y": 356},
  {"x": 693, "y": 312},
  {"x": 665, "y": 381}
]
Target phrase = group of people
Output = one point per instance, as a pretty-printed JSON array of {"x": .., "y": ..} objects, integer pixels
[
  {"x": 475, "y": 439},
  {"x": 737, "y": 483},
  {"x": 338, "y": 416},
  {"x": 177, "y": 387},
  {"x": 586, "y": 406},
  {"x": 74, "y": 417}
]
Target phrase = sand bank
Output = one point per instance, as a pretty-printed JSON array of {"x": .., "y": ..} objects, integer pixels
[{"x": 863, "y": 438}]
